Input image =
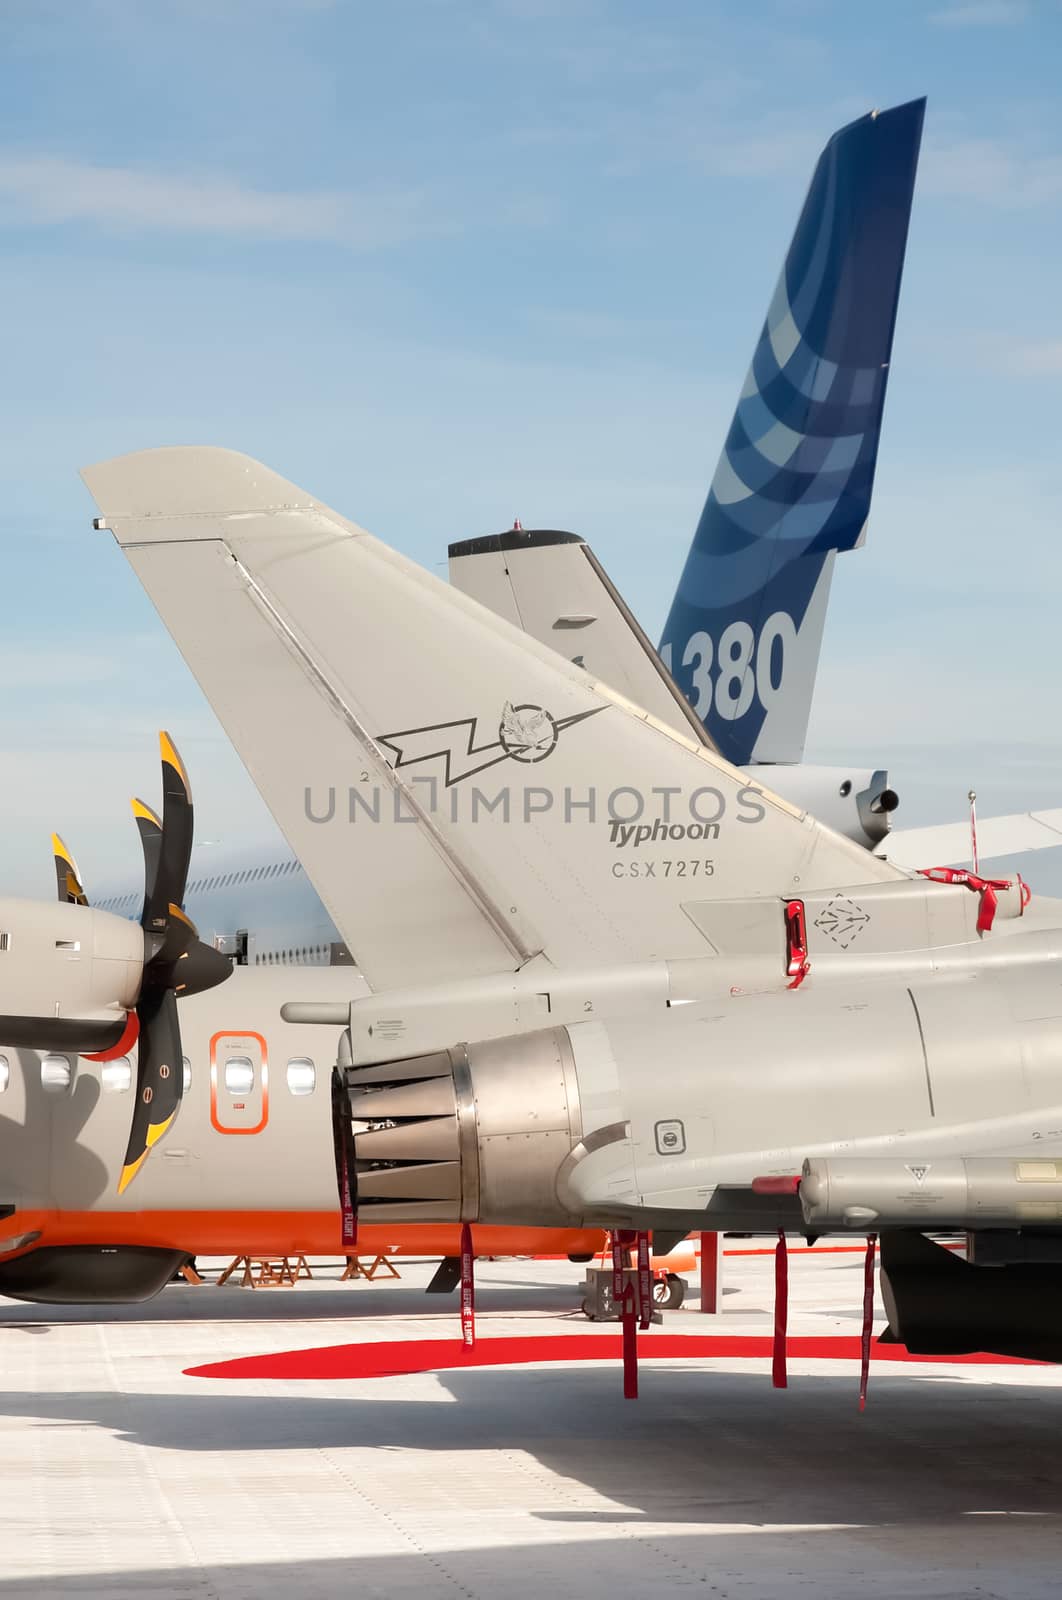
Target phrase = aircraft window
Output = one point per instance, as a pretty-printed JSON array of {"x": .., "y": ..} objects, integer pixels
[
  {"x": 302, "y": 1075},
  {"x": 56, "y": 1073},
  {"x": 5, "y": 1073},
  {"x": 117, "y": 1076},
  {"x": 239, "y": 1075},
  {"x": 186, "y": 1069}
]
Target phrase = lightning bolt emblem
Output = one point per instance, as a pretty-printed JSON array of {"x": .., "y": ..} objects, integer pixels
[{"x": 526, "y": 733}]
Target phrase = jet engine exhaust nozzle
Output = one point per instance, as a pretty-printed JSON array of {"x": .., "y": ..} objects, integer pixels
[{"x": 479, "y": 1132}]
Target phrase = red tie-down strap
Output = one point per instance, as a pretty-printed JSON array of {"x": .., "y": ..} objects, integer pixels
[
  {"x": 619, "y": 1262},
  {"x": 343, "y": 1140},
  {"x": 645, "y": 1283},
  {"x": 623, "y": 1299},
  {"x": 797, "y": 965},
  {"x": 468, "y": 1288},
  {"x": 988, "y": 888},
  {"x": 779, "y": 1374},
  {"x": 868, "y": 1319}
]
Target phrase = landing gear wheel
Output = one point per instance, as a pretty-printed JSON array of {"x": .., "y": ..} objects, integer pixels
[{"x": 669, "y": 1292}]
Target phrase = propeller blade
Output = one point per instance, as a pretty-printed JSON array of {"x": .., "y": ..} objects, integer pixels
[
  {"x": 159, "y": 1079},
  {"x": 179, "y": 938},
  {"x": 67, "y": 877},
  {"x": 176, "y": 961},
  {"x": 175, "y": 851},
  {"x": 150, "y": 830}
]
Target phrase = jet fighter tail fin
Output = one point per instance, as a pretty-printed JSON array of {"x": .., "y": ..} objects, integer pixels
[
  {"x": 463, "y": 799},
  {"x": 793, "y": 483},
  {"x": 552, "y": 586}
]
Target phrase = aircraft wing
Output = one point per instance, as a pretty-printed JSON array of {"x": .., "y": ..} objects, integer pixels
[
  {"x": 948, "y": 843},
  {"x": 462, "y": 798}
]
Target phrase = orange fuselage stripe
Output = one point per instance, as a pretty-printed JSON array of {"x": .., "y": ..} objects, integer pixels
[{"x": 255, "y": 1233}]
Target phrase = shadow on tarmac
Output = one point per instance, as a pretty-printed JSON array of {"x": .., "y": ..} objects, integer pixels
[{"x": 947, "y": 1488}]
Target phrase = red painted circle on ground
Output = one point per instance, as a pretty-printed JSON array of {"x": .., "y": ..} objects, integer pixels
[{"x": 380, "y": 1360}]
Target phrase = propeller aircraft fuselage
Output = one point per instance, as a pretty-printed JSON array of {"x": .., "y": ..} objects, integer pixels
[{"x": 247, "y": 1168}]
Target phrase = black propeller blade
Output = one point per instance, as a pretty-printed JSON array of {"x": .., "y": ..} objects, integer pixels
[{"x": 150, "y": 830}]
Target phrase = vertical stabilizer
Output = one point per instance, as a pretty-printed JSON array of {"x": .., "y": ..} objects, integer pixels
[{"x": 794, "y": 481}]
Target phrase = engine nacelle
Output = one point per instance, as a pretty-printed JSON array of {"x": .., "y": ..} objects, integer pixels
[
  {"x": 857, "y": 804},
  {"x": 68, "y": 974}
]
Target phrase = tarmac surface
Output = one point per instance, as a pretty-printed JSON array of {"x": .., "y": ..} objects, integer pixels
[{"x": 123, "y": 1476}]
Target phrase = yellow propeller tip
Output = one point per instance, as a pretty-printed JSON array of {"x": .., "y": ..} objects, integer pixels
[
  {"x": 170, "y": 756},
  {"x": 129, "y": 1172},
  {"x": 156, "y": 1131},
  {"x": 144, "y": 813}
]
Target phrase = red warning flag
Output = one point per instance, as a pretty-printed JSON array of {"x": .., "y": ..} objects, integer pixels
[{"x": 468, "y": 1288}]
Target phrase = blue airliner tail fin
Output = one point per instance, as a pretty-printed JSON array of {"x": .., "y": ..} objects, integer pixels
[{"x": 794, "y": 481}]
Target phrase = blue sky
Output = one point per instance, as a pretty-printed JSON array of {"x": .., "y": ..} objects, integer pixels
[{"x": 451, "y": 263}]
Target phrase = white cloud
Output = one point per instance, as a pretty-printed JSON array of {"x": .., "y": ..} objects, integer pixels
[
  {"x": 989, "y": 171},
  {"x": 760, "y": 155},
  {"x": 51, "y": 190},
  {"x": 58, "y": 665},
  {"x": 981, "y": 14},
  {"x": 1033, "y": 358}
]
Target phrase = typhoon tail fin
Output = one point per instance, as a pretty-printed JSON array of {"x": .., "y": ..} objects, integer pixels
[
  {"x": 793, "y": 483},
  {"x": 463, "y": 799}
]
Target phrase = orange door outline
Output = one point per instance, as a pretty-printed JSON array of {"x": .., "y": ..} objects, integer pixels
[{"x": 215, "y": 1123}]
